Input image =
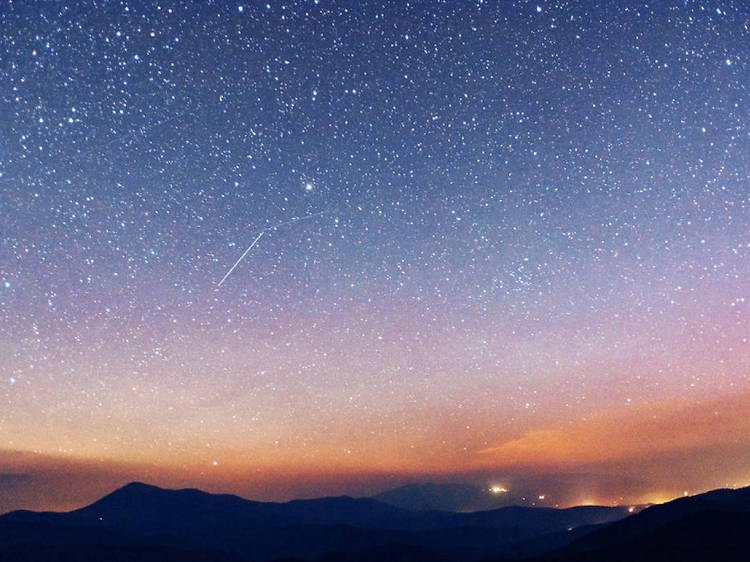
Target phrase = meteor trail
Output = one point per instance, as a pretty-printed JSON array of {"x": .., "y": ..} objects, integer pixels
[
  {"x": 262, "y": 232},
  {"x": 250, "y": 247}
]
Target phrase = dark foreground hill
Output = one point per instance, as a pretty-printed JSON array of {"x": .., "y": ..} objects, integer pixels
[
  {"x": 712, "y": 526},
  {"x": 142, "y": 522}
]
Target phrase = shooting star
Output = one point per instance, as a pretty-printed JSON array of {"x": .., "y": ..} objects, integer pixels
[
  {"x": 262, "y": 232},
  {"x": 250, "y": 247}
]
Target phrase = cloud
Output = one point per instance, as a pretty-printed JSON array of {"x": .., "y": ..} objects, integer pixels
[
  {"x": 9, "y": 479},
  {"x": 47, "y": 482},
  {"x": 631, "y": 433},
  {"x": 665, "y": 448},
  {"x": 60, "y": 483},
  {"x": 630, "y": 455}
]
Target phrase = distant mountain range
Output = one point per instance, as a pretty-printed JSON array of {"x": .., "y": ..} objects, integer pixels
[
  {"x": 145, "y": 523},
  {"x": 444, "y": 497}
]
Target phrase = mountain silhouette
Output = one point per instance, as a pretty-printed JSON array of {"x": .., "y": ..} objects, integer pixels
[
  {"x": 143, "y": 522},
  {"x": 444, "y": 497},
  {"x": 711, "y": 526}
]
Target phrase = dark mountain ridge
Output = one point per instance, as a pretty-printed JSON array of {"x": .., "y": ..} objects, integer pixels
[
  {"x": 710, "y": 526},
  {"x": 143, "y": 522},
  {"x": 430, "y": 496}
]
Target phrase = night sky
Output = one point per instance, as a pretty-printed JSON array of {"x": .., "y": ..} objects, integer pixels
[{"x": 500, "y": 241}]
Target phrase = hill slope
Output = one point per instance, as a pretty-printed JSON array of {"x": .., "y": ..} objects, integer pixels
[
  {"x": 147, "y": 517},
  {"x": 710, "y": 526}
]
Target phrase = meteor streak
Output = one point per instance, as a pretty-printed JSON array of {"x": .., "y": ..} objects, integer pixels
[
  {"x": 250, "y": 247},
  {"x": 262, "y": 232}
]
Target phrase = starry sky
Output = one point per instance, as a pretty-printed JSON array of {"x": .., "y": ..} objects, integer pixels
[{"x": 502, "y": 241}]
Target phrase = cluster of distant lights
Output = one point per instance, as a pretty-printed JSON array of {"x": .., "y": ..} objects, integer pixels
[
  {"x": 502, "y": 490},
  {"x": 497, "y": 490}
]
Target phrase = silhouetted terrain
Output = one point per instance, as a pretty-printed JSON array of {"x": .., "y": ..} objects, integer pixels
[
  {"x": 25, "y": 541},
  {"x": 145, "y": 517},
  {"x": 142, "y": 522},
  {"x": 442, "y": 497},
  {"x": 711, "y": 526}
]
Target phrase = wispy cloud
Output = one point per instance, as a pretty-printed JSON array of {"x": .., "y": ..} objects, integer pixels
[
  {"x": 629, "y": 433},
  {"x": 9, "y": 479},
  {"x": 650, "y": 453}
]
